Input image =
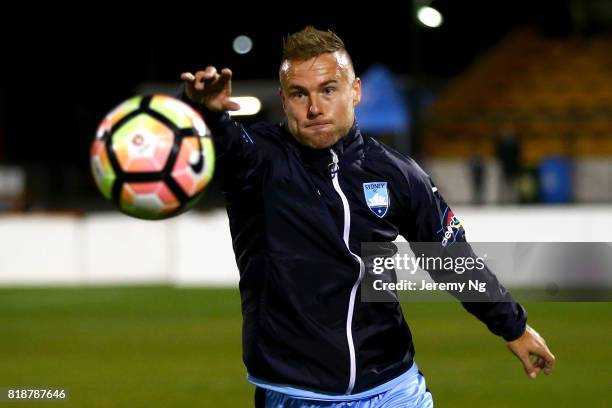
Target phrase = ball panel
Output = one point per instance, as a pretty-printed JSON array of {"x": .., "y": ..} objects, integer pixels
[
  {"x": 189, "y": 167},
  {"x": 179, "y": 113},
  {"x": 148, "y": 200},
  {"x": 194, "y": 164},
  {"x": 209, "y": 154},
  {"x": 103, "y": 172},
  {"x": 118, "y": 113},
  {"x": 142, "y": 144}
]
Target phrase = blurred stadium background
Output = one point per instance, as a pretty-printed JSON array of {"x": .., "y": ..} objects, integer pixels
[{"x": 508, "y": 105}]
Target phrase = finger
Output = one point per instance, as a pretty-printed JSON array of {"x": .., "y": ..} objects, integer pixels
[
  {"x": 187, "y": 77},
  {"x": 210, "y": 72},
  {"x": 549, "y": 357},
  {"x": 549, "y": 361},
  {"x": 538, "y": 365},
  {"x": 223, "y": 78},
  {"x": 199, "y": 80},
  {"x": 528, "y": 366},
  {"x": 231, "y": 105},
  {"x": 226, "y": 73},
  {"x": 531, "y": 369},
  {"x": 544, "y": 354}
]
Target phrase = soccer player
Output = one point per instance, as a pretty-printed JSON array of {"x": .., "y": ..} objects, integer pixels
[{"x": 295, "y": 200}]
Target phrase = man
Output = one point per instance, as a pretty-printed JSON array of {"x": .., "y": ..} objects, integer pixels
[{"x": 298, "y": 216}]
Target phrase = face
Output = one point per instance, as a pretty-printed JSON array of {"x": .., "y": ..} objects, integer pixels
[{"x": 319, "y": 96}]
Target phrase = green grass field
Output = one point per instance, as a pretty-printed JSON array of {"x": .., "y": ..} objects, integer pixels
[{"x": 165, "y": 347}]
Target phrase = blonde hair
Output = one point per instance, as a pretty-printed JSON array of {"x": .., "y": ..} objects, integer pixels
[{"x": 310, "y": 42}]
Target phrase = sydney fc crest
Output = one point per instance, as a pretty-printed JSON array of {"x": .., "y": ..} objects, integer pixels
[{"x": 377, "y": 197}]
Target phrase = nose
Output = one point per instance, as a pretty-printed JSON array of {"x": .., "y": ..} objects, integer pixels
[{"x": 314, "y": 109}]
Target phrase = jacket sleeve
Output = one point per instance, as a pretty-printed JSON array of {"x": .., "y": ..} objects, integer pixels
[
  {"x": 238, "y": 149},
  {"x": 430, "y": 223}
]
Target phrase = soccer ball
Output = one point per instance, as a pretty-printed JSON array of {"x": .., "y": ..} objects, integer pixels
[{"x": 152, "y": 156}]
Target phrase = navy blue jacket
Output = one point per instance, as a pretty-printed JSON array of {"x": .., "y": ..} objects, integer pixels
[{"x": 297, "y": 221}]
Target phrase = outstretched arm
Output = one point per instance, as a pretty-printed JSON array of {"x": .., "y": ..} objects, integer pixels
[
  {"x": 497, "y": 309},
  {"x": 238, "y": 156}
]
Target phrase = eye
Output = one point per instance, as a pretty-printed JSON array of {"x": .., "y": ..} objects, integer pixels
[
  {"x": 329, "y": 90},
  {"x": 297, "y": 94}
]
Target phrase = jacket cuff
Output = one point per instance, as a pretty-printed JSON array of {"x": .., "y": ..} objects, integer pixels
[{"x": 520, "y": 326}]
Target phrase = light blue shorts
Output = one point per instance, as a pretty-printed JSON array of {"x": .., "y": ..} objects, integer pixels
[{"x": 410, "y": 393}]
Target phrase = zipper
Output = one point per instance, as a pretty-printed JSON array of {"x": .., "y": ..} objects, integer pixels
[{"x": 347, "y": 227}]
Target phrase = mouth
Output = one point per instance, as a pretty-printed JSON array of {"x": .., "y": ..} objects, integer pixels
[{"x": 317, "y": 125}]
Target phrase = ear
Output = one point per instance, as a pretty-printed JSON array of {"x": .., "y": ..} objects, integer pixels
[
  {"x": 282, "y": 97},
  {"x": 356, "y": 91}
]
